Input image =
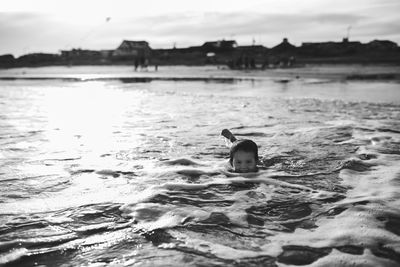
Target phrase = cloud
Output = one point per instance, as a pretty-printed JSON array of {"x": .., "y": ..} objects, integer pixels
[
  {"x": 194, "y": 28},
  {"x": 379, "y": 30},
  {"x": 315, "y": 21},
  {"x": 191, "y": 28}
]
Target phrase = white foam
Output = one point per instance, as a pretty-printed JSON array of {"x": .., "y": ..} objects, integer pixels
[
  {"x": 337, "y": 258},
  {"x": 358, "y": 225},
  {"x": 151, "y": 216},
  {"x": 270, "y": 181},
  {"x": 13, "y": 255},
  {"x": 237, "y": 211},
  {"x": 221, "y": 251},
  {"x": 165, "y": 216}
]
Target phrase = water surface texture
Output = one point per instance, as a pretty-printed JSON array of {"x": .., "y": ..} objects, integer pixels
[{"x": 117, "y": 172}]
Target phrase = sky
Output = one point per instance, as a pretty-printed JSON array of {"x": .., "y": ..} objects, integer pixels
[{"x": 49, "y": 26}]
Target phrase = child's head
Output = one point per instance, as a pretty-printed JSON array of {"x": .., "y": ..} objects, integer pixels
[{"x": 244, "y": 156}]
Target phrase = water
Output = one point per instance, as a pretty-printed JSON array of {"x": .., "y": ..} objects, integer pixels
[{"x": 105, "y": 172}]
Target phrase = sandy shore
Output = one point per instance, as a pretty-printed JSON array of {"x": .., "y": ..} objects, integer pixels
[
  {"x": 341, "y": 72},
  {"x": 325, "y": 72}
]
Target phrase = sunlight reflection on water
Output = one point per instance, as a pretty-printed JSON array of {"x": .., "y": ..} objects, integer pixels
[{"x": 91, "y": 160}]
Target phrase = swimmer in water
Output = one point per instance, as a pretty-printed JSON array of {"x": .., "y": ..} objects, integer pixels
[{"x": 243, "y": 154}]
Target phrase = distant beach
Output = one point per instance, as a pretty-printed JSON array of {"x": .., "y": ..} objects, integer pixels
[{"x": 209, "y": 72}]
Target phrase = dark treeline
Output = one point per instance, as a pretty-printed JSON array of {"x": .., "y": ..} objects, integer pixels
[{"x": 224, "y": 52}]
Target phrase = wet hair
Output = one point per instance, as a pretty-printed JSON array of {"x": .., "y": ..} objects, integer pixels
[{"x": 243, "y": 145}]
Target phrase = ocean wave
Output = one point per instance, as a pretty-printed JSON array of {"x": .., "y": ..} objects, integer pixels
[{"x": 111, "y": 173}]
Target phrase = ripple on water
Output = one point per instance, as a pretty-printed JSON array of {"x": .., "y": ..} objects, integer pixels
[{"x": 150, "y": 191}]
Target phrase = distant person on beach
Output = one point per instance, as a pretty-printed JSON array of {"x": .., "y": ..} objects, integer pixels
[
  {"x": 136, "y": 64},
  {"x": 243, "y": 154}
]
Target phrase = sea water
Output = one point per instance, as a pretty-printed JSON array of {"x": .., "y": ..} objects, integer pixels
[{"x": 110, "y": 171}]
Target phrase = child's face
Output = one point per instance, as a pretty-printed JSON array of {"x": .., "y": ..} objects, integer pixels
[{"x": 244, "y": 161}]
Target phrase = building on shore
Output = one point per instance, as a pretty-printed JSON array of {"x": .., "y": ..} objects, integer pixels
[
  {"x": 80, "y": 53},
  {"x": 284, "y": 47},
  {"x": 345, "y": 47},
  {"x": 382, "y": 45},
  {"x": 222, "y": 52},
  {"x": 7, "y": 60},
  {"x": 133, "y": 49},
  {"x": 219, "y": 46},
  {"x": 282, "y": 55}
]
